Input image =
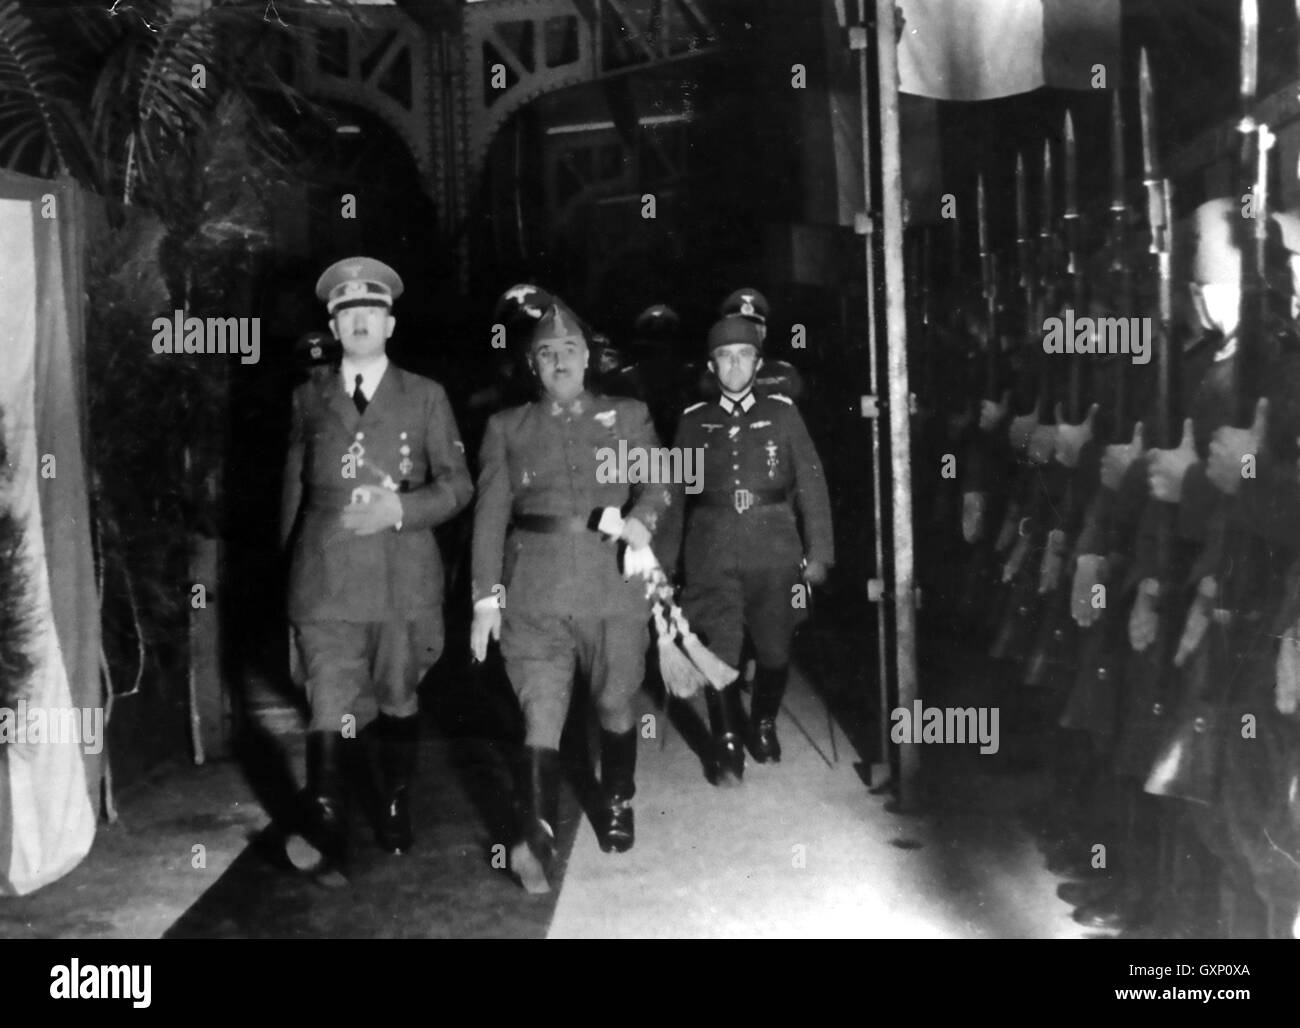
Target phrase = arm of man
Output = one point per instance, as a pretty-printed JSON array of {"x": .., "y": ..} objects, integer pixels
[
  {"x": 492, "y": 511},
  {"x": 668, "y": 533},
  {"x": 811, "y": 494},
  {"x": 291, "y": 486},
  {"x": 649, "y": 501},
  {"x": 449, "y": 488}
]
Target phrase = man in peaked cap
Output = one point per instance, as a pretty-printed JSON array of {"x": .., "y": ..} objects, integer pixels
[
  {"x": 775, "y": 376},
  {"x": 549, "y": 588},
  {"x": 375, "y": 462},
  {"x": 743, "y": 550}
]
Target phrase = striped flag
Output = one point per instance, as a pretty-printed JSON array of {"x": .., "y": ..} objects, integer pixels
[{"x": 984, "y": 49}]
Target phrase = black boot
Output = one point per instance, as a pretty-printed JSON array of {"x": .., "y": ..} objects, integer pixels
[
  {"x": 618, "y": 786},
  {"x": 538, "y": 801},
  {"x": 399, "y": 741},
  {"x": 725, "y": 718},
  {"x": 769, "y": 689},
  {"x": 320, "y": 843}
]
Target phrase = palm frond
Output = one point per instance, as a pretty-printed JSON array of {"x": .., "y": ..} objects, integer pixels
[{"x": 34, "y": 84}]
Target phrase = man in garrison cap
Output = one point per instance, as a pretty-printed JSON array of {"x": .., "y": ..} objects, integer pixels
[
  {"x": 375, "y": 462},
  {"x": 547, "y": 585},
  {"x": 744, "y": 554}
]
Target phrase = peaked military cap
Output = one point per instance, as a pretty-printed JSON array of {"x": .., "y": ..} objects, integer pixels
[
  {"x": 358, "y": 282},
  {"x": 747, "y": 303},
  {"x": 732, "y": 330},
  {"x": 317, "y": 348}
]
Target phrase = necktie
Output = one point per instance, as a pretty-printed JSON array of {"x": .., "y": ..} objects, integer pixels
[{"x": 359, "y": 398}]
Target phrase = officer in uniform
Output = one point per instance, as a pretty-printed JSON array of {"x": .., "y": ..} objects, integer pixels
[
  {"x": 548, "y": 585},
  {"x": 743, "y": 551},
  {"x": 375, "y": 461},
  {"x": 775, "y": 376}
]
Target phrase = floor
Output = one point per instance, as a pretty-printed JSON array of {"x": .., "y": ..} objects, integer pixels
[{"x": 803, "y": 848}]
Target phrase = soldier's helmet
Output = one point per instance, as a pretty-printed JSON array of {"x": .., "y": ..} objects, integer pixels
[
  {"x": 731, "y": 330},
  {"x": 315, "y": 348},
  {"x": 656, "y": 325},
  {"x": 522, "y": 303}
]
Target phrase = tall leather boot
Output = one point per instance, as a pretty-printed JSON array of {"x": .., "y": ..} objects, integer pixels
[
  {"x": 617, "y": 784},
  {"x": 769, "y": 689},
  {"x": 537, "y": 800},
  {"x": 399, "y": 742},
  {"x": 320, "y": 843},
  {"x": 725, "y": 719}
]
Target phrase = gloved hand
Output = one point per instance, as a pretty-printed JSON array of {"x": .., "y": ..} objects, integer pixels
[
  {"x": 992, "y": 412},
  {"x": 973, "y": 506},
  {"x": 1166, "y": 469},
  {"x": 1049, "y": 571},
  {"x": 814, "y": 572},
  {"x": 486, "y": 625},
  {"x": 1143, "y": 619},
  {"x": 1117, "y": 457},
  {"x": 1286, "y": 692},
  {"x": 1089, "y": 571},
  {"x": 1021, "y": 429},
  {"x": 1042, "y": 443},
  {"x": 1229, "y": 448},
  {"x": 1198, "y": 620}
]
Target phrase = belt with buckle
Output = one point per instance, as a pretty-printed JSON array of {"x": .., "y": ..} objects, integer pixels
[
  {"x": 742, "y": 499},
  {"x": 548, "y": 524}
]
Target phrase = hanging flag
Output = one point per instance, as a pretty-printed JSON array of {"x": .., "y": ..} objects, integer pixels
[
  {"x": 52, "y": 721},
  {"x": 984, "y": 49}
]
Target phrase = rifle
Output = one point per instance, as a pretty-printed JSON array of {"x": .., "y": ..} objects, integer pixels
[
  {"x": 1033, "y": 488},
  {"x": 1071, "y": 487}
]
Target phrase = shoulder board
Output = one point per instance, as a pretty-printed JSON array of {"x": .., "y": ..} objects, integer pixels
[
  {"x": 781, "y": 397},
  {"x": 695, "y": 406}
]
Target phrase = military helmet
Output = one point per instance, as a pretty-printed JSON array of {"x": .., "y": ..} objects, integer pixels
[
  {"x": 656, "y": 322},
  {"x": 731, "y": 330},
  {"x": 521, "y": 303}
]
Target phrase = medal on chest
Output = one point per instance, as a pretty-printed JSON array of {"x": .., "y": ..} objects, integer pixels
[{"x": 771, "y": 458}]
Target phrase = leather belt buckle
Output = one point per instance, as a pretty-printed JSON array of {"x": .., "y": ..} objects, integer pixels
[{"x": 742, "y": 499}]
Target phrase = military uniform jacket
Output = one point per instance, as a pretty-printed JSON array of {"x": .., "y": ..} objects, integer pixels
[
  {"x": 765, "y": 448},
  {"x": 408, "y": 436},
  {"x": 547, "y": 458}
]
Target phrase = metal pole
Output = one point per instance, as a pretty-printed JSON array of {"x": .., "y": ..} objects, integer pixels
[
  {"x": 875, "y": 589},
  {"x": 900, "y": 459}
]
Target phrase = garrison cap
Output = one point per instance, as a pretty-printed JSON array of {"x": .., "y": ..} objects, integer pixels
[
  {"x": 747, "y": 303},
  {"x": 557, "y": 322},
  {"x": 1216, "y": 258},
  {"x": 732, "y": 330},
  {"x": 358, "y": 282},
  {"x": 658, "y": 320}
]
